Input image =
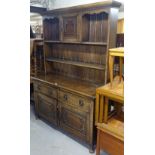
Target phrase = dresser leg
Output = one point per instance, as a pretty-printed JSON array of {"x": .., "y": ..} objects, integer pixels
[
  {"x": 37, "y": 116},
  {"x": 91, "y": 149}
]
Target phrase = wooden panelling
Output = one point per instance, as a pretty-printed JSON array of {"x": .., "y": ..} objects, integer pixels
[
  {"x": 51, "y": 28},
  {"x": 70, "y": 28},
  {"x": 78, "y": 53},
  {"x": 95, "y": 27}
]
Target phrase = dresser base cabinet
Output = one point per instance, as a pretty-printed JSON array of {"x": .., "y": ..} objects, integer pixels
[{"x": 66, "y": 110}]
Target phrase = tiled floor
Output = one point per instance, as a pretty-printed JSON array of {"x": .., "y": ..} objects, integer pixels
[{"x": 45, "y": 140}]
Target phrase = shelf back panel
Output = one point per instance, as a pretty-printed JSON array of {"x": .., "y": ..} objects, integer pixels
[
  {"x": 81, "y": 53},
  {"x": 95, "y": 27},
  {"x": 79, "y": 73}
]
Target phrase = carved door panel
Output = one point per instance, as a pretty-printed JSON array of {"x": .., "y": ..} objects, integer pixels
[
  {"x": 47, "y": 108},
  {"x": 70, "y": 32},
  {"x": 75, "y": 122}
]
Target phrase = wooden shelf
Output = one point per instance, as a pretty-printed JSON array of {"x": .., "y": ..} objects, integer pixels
[
  {"x": 81, "y": 64},
  {"x": 82, "y": 43}
]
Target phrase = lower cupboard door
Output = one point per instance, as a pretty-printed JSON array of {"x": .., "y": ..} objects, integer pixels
[
  {"x": 47, "y": 108},
  {"x": 75, "y": 122}
]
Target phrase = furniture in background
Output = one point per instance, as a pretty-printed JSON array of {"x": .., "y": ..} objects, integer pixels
[
  {"x": 110, "y": 121},
  {"x": 110, "y": 137},
  {"x": 36, "y": 62},
  {"x": 120, "y": 33},
  {"x": 36, "y": 56},
  {"x": 76, "y": 43}
]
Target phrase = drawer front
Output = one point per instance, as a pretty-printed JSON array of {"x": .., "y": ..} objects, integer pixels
[
  {"x": 74, "y": 100},
  {"x": 47, "y": 108},
  {"x": 44, "y": 89},
  {"x": 75, "y": 122}
]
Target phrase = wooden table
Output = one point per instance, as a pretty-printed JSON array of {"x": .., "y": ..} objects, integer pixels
[
  {"x": 106, "y": 93},
  {"x": 119, "y": 52}
]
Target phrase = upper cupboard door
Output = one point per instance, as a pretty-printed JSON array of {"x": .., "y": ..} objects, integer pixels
[
  {"x": 71, "y": 28},
  {"x": 51, "y": 28}
]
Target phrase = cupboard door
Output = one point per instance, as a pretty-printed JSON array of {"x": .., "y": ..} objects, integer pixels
[
  {"x": 75, "y": 122},
  {"x": 70, "y": 28},
  {"x": 47, "y": 108}
]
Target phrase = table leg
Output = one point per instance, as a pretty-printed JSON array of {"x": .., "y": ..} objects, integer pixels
[
  {"x": 111, "y": 66},
  {"x": 106, "y": 110},
  {"x": 97, "y": 109},
  {"x": 101, "y": 108},
  {"x": 121, "y": 67}
]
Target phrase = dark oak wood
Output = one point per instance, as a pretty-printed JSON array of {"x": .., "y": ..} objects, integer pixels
[
  {"x": 77, "y": 86},
  {"x": 76, "y": 43},
  {"x": 46, "y": 107},
  {"x": 84, "y": 43},
  {"x": 36, "y": 56},
  {"x": 60, "y": 101},
  {"x": 75, "y": 63}
]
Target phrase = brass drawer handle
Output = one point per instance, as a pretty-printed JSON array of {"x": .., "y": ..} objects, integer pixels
[
  {"x": 65, "y": 97},
  {"x": 81, "y": 103}
]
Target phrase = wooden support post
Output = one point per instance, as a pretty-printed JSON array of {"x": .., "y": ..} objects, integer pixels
[
  {"x": 97, "y": 108},
  {"x": 106, "y": 110},
  {"x": 101, "y": 109},
  {"x": 120, "y": 68}
]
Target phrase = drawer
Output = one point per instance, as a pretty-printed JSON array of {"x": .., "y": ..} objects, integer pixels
[
  {"x": 44, "y": 89},
  {"x": 74, "y": 100}
]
